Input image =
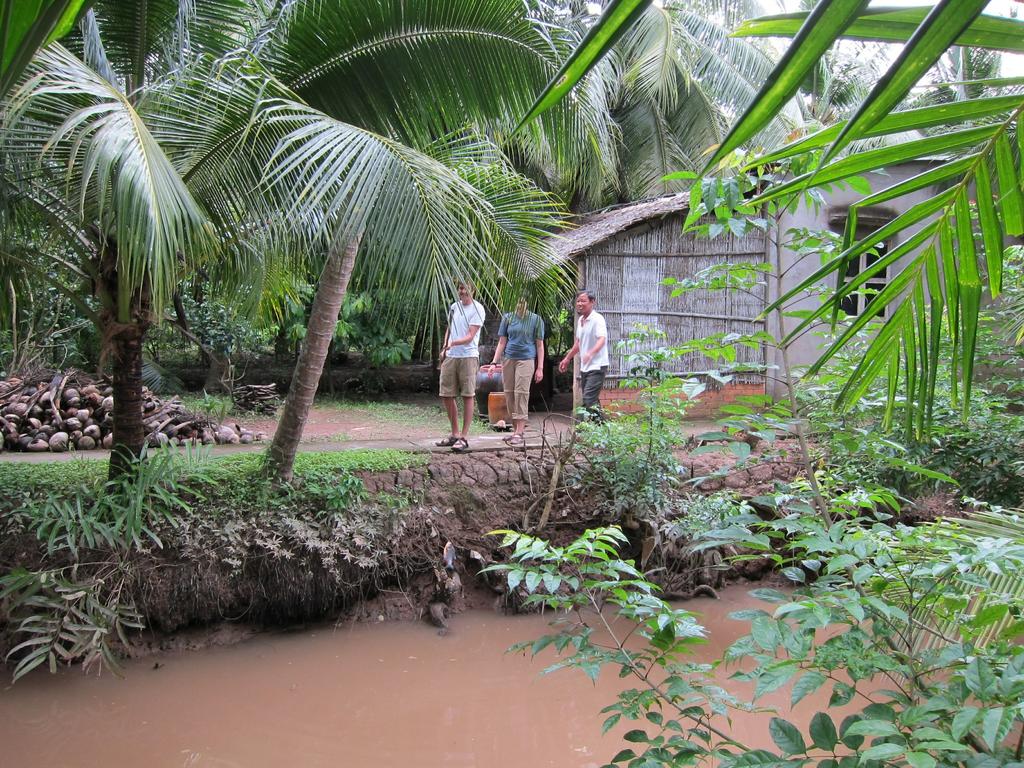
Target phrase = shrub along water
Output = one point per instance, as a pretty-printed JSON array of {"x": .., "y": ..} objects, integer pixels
[
  {"x": 79, "y": 547},
  {"x": 911, "y": 629}
]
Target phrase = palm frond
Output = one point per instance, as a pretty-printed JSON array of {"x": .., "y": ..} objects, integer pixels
[
  {"x": 69, "y": 123},
  {"x": 144, "y": 39},
  {"x": 943, "y": 282},
  {"x": 1001, "y": 588},
  {"x": 421, "y": 223}
]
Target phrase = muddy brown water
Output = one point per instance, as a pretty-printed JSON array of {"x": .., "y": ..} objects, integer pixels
[{"x": 391, "y": 695}]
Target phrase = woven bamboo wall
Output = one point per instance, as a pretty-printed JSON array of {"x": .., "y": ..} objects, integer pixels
[{"x": 626, "y": 274}]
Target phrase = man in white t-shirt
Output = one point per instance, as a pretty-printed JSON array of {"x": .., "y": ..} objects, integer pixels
[
  {"x": 460, "y": 359},
  {"x": 591, "y": 343}
]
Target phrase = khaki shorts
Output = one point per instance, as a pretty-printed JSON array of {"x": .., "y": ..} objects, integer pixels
[{"x": 458, "y": 376}]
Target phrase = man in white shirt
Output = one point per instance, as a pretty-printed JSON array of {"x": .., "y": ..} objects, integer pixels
[
  {"x": 460, "y": 359},
  {"x": 591, "y": 343}
]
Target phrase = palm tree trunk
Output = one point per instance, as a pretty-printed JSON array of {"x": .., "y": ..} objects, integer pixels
[
  {"x": 323, "y": 319},
  {"x": 122, "y": 343},
  {"x": 129, "y": 433}
]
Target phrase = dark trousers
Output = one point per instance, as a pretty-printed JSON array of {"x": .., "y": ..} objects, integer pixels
[{"x": 590, "y": 385}]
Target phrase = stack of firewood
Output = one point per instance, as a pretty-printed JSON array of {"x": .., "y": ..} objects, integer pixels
[
  {"x": 71, "y": 411},
  {"x": 256, "y": 398}
]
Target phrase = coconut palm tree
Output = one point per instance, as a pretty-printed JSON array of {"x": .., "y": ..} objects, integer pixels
[
  {"x": 680, "y": 75},
  {"x": 179, "y": 133},
  {"x": 669, "y": 83}
]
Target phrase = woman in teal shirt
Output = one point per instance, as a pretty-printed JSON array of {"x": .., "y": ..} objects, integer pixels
[{"x": 521, "y": 353}]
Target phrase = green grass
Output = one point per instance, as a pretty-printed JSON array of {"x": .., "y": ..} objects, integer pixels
[
  {"x": 44, "y": 478},
  {"x": 235, "y": 480},
  {"x": 214, "y": 406}
]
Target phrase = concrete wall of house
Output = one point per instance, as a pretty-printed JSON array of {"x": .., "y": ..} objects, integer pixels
[{"x": 832, "y": 216}]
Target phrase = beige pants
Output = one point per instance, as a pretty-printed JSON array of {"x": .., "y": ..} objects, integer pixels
[{"x": 516, "y": 376}]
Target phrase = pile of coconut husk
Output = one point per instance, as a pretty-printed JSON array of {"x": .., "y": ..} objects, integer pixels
[
  {"x": 70, "y": 410},
  {"x": 256, "y": 398}
]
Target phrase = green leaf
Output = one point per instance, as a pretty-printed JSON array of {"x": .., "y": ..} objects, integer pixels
[
  {"x": 995, "y": 725},
  {"x": 896, "y": 26},
  {"x": 617, "y": 18},
  {"x": 852, "y": 741},
  {"x": 962, "y": 722},
  {"x": 921, "y": 760},
  {"x": 823, "y": 732},
  {"x": 917, "y": 469},
  {"x": 610, "y": 723},
  {"x": 815, "y": 37},
  {"x": 806, "y": 685},
  {"x": 970, "y": 294},
  {"x": 514, "y": 579},
  {"x": 765, "y": 633},
  {"x": 786, "y": 737},
  {"x": 1011, "y": 200},
  {"x": 773, "y": 677},
  {"x": 991, "y": 232},
  {"x": 740, "y": 450},
  {"x": 950, "y": 113},
  {"x": 882, "y": 752},
  {"x": 936, "y": 33},
  {"x": 990, "y": 614},
  {"x": 768, "y": 595},
  {"x": 636, "y": 736},
  {"x": 872, "y": 728}
]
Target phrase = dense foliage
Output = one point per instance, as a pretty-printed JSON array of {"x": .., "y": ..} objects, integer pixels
[{"x": 909, "y": 629}]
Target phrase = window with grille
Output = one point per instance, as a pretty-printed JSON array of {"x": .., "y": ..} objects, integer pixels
[{"x": 854, "y": 303}]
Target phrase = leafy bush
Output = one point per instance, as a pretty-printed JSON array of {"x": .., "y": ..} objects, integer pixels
[
  {"x": 123, "y": 511},
  {"x": 628, "y": 468},
  {"x": 985, "y": 455},
  {"x": 74, "y": 612},
  {"x": 912, "y": 630},
  {"x": 629, "y": 461},
  {"x": 92, "y": 531},
  {"x": 367, "y": 325}
]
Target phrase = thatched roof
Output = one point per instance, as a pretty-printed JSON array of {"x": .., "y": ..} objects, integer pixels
[{"x": 594, "y": 228}]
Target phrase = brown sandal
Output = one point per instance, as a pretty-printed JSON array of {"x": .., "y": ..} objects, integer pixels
[
  {"x": 448, "y": 442},
  {"x": 461, "y": 445}
]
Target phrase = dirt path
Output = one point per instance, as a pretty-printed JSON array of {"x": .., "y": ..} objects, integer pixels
[
  {"x": 411, "y": 422},
  {"x": 414, "y": 422}
]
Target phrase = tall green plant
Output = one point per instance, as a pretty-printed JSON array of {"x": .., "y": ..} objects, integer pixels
[
  {"x": 864, "y": 621},
  {"x": 629, "y": 461}
]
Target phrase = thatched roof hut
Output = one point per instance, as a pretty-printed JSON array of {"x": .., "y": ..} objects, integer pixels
[{"x": 624, "y": 254}]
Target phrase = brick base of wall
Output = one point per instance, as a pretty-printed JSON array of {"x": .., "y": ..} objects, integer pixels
[{"x": 705, "y": 406}]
